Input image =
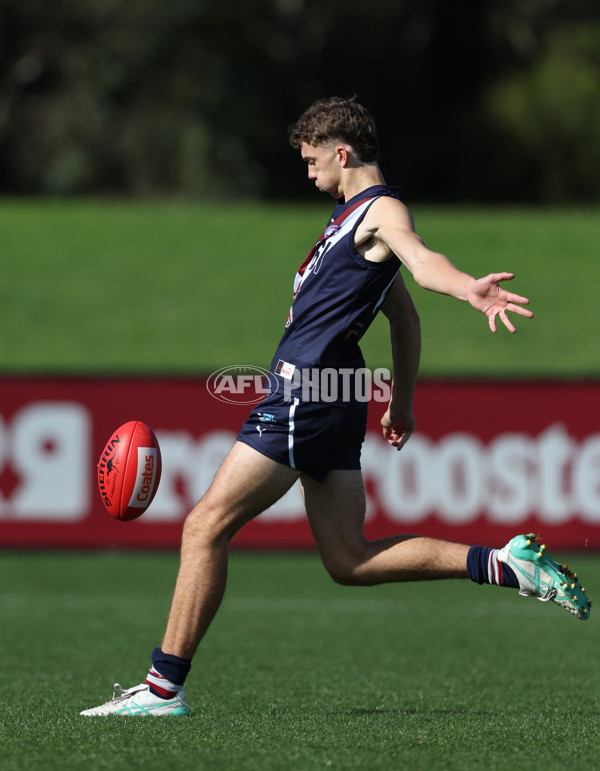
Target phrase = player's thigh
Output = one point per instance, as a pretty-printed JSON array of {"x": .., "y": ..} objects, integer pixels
[
  {"x": 336, "y": 513},
  {"x": 246, "y": 484}
]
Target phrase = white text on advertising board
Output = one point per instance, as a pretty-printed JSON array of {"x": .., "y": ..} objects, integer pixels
[
  {"x": 457, "y": 478},
  {"x": 45, "y": 463}
]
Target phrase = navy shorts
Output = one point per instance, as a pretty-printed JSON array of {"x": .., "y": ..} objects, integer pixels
[{"x": 309, "y": 436}]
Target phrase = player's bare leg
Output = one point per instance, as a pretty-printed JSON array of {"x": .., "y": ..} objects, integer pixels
[
  {"x": 246, "y": 484},
  {"x": 336, "y": 512}
]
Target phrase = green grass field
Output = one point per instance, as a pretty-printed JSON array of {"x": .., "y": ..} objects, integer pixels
[
  {"x": 296, "y": 672},
  {"x": 187, "y": 288}
]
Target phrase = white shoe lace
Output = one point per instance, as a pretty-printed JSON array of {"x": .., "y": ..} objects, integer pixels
[{"x": 549, "y": 594}]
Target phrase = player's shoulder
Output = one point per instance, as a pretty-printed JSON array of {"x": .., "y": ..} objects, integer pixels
[
  {"x": 388, "y": 210},
  {"x": 389, "y": 203}
]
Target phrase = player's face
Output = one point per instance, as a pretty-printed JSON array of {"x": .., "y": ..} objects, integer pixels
[{"x": 323, "y": 167}]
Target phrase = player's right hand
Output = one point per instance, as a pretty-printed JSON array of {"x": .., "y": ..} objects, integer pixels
[{"x": 397, "y": 428}]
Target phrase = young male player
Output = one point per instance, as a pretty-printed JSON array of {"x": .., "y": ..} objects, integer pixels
[{"x": 351, "y": 274}]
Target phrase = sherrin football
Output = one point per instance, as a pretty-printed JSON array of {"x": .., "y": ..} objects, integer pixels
[{"x": 129, "y": 470}]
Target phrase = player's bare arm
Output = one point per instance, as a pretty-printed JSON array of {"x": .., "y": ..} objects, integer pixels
[
  {"x": 388, "y": 227},
  {"x": 405, "y": 335}
]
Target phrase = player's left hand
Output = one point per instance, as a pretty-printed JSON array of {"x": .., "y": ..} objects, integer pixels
[
  {"x": 487, "y": 296},
  {"x": 397, "y": 428}
]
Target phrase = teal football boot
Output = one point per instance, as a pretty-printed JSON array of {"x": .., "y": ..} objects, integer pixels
[{"x": 542, "y": 577}]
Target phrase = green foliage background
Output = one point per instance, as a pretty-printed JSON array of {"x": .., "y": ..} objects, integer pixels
[{"x": 476, "y": 100}]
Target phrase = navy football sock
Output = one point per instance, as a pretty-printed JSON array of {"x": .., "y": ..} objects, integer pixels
[
  {"x": 167, "y": 674},
  {"x": 484, "y": 567}
]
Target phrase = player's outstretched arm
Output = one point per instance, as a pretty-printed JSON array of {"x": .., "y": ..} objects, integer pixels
[{"x": 392, "y": 222}]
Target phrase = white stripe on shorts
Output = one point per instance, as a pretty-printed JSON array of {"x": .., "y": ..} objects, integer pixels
[{"x": 291, "y": 427}]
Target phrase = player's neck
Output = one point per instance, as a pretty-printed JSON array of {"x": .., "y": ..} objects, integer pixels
[{"x": 357, "y": 179}]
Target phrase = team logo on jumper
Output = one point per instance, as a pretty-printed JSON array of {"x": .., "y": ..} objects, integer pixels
[
  {"x": 331, "y": 231},
  {"x": 241, "y": 384}
]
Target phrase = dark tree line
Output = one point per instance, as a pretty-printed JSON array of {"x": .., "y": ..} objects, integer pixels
[{"x": 475, "y": 100}]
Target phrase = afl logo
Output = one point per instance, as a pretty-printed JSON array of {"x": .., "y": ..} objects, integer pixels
[{"x": 241, "y": 384}]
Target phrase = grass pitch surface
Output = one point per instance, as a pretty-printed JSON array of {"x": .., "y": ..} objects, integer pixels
[
  {"x": 141, "y": 287},
  {"x": 296, "y": 672}
]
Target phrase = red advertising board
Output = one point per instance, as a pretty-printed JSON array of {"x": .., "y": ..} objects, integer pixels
[{"x": 488, "y": 460}]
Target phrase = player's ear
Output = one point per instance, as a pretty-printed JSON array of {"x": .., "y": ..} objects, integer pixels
[{"x": 343, "y": 154}]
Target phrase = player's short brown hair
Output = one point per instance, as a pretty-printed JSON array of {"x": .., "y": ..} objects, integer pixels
[{"x": 337, "y": 119}]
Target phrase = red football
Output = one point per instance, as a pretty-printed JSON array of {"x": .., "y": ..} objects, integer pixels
[{"x": 129, "y": 470}]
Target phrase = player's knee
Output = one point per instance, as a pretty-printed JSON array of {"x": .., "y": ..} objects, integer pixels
[
  {"x": 344, "y": 570},
  {"x": 343, "y": 578},
  {"x": 204, "y": 525}
]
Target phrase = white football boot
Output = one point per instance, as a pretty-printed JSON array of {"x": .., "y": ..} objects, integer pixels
[{"x": 139, "y": 700}]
